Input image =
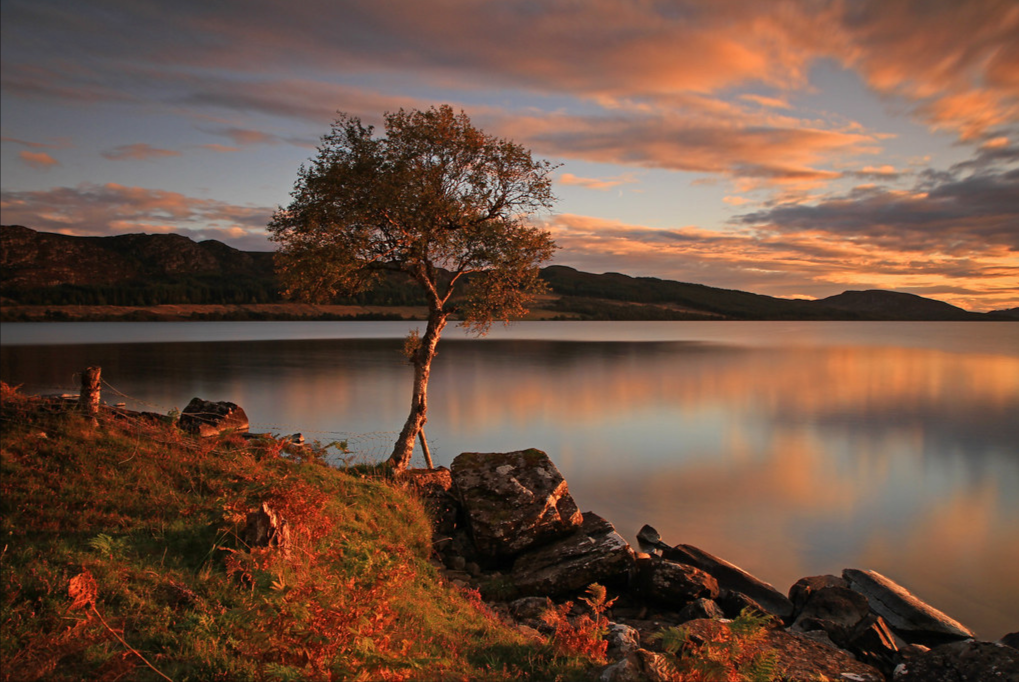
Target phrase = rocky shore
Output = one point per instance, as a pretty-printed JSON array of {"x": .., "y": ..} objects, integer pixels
[{"x": 506, "y": 525}]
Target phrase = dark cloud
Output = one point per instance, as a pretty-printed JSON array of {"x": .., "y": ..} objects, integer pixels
[{"x": 946, "y": 213}]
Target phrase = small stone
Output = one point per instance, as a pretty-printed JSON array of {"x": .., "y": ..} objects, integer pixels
[
  {"x": 528, "y": 608},
  {"x": 700, "y": 608},
  {"x": 622, "y": 639},
  {"x": 206, "y": 418},
  {"x": 625, "y": 670}
]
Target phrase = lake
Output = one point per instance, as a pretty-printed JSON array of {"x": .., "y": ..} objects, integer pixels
[{"x": 788, "y": 448}]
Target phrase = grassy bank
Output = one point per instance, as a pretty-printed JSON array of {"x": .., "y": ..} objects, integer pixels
[{"x": 123, "y": 558}]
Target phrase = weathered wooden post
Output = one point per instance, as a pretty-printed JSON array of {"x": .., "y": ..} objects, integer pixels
[{"x": 88, "y": 399}]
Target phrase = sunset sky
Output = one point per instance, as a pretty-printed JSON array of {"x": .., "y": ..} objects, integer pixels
[{"x": 782, "y": 147}]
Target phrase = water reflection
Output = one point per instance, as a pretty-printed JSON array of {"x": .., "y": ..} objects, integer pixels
[{"x": 790, "y": 461}]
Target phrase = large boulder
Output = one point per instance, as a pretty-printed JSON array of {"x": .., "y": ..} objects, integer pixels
[
  {"x": 673, "y": 583},
  {"x": 801, "y": 590},
  {"x": 733, "y": 578},
  {"x": 513, "y": 501},
  {"x": 595, "y": 553},
  {"x": 839, "y": 611},
  {"x": 968, "y": 661},
  {"x": 912, "y": 619},
  {"x": 208, "y": 418}
]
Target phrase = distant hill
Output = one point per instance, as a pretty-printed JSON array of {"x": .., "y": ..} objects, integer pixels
[
  {"x": 894, "y": 305},
  {"x": 697, "y": 301},
  {"x": 675, "y": 300},
  {"x": 130, "y": 269},
  {"x": 40, "y": 268},
  {"x": 1012, "y": 313}
]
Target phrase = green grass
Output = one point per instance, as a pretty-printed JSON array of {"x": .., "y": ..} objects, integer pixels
[{"x": 123, "y": 559}]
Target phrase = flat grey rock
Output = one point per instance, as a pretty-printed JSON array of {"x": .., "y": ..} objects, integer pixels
[
  {"x": 913, "y": 619},
  {"x": 595, "y": 553},
  {"x": 732, "y": 577}
]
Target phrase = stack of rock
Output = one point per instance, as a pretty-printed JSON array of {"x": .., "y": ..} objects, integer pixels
[{"x": 506, "y": 523}]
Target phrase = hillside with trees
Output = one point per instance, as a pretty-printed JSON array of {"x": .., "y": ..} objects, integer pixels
[{"x": 46, "y": 269}]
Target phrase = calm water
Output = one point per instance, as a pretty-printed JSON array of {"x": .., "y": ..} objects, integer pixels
[{"x": 791, "y": 449}]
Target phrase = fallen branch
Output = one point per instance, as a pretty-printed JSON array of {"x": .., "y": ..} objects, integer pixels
[{"x": 129, "y": 647}]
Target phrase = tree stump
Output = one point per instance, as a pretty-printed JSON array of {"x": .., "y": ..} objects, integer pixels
[
  {"x": 266, "y": 527},
  {"x": 88, "y": 398}
]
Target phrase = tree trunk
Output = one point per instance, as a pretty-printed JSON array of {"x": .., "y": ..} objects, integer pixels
[{"x": 422, "y": 360}]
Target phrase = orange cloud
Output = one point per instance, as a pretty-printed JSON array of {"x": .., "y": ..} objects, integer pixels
[
  {"x": 880, "y": 171},
  {"x": 91, "y": 209},
  {"x": 137, "y": 152},
  {"x": 995, "y": 143},
  {"x": 220, "y": 148},
  {"x": 770, "y": 102},
  {"x": 244, "y": 137},
  {"x": 799, "y": 261},
  {"x": 596, "y": 183},
  {"x": 709, "y": 137},
  {"x": 956, "y": 60},
  {"x": 40, "y": 160}
]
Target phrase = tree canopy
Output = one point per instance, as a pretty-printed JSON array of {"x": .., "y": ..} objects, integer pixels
[
  {"x": 434, "y": 194},
  {"x": 435, "y": 198}
]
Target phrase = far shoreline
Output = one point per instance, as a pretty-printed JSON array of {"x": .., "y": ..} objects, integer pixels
[
  {"x": 278, "y": 312},
  {"x": 309, "y": 312}
]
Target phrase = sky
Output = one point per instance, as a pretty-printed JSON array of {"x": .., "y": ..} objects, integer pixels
[{"x": 794, "y": 148}]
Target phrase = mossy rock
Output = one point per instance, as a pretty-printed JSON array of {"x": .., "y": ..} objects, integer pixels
[{"x": 513, "y": 501}]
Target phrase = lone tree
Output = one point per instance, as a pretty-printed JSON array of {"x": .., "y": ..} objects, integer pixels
[{"x": 434, "y": 198}]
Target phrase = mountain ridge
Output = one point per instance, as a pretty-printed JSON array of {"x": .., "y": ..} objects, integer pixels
[{"x": 43, "y": 268}]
